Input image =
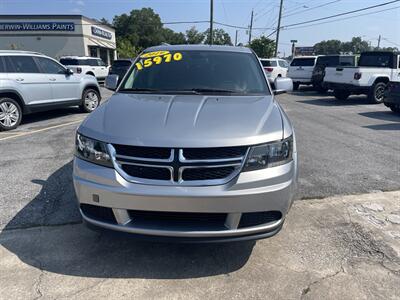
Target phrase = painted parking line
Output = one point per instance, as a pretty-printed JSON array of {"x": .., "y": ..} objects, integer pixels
[{"x": 39, "y": 130}]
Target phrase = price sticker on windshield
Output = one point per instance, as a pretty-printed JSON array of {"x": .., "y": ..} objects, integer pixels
[{"x": 156, "y": 58}]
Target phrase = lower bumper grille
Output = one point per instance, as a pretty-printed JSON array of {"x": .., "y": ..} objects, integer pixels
[
  {"x": 99, "y": 213},
  {"x": 258, "y": 218},
  {"x": 178, "y": 219}
]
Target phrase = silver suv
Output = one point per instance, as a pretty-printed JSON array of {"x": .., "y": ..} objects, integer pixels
[
  {"x": 191, "y": 146},
  {"x": 31, "y": 82}
]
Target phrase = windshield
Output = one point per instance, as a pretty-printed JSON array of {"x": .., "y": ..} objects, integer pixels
[
  {"x": 303, "y": 62},
  {"x": 196, "y": 71},
  {"x": 376, "y": 60},
  {"x": 328, "y": 61},
  {"x": 69, "y": 62},
  {"x": 268, "y": 63},
  {"x": 124, "y": 64}
]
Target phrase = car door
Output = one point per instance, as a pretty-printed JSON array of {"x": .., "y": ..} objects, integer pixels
[
  {"x": 32, "y": 84},
  {"x": 284, "y": 67},
  {"x": 64, "y": 86},
  {"x": 102, "y": 69}
]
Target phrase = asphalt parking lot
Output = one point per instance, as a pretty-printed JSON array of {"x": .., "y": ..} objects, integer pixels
[{"x": 333, "y": 245}]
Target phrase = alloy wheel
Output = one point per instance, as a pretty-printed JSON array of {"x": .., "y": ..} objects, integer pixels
[
  {"x": 9, "y": 114},
  {"x": 91, "y": 101}
]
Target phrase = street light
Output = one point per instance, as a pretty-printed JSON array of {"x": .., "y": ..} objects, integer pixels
[{"x": 293, "y": 47}]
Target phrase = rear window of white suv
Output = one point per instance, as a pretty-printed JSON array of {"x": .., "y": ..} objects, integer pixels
[{"x": 303, "y": 62}]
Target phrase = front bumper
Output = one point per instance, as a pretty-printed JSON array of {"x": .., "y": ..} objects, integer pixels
[
  {"x": 268, "y": 190},
  {"x": 301, "y": 80}
]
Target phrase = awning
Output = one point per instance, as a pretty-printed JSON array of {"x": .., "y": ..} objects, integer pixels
[{"x": 103, "y": 44}]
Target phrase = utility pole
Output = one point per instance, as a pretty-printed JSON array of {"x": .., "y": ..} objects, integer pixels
[
  {"x": 251, "y": 26},
  {"x": 278, "y": 29},
  {"x": 211, "y": 20},
  {"x": 236, "y": 36},
  {"x": 379, "y": 41}
]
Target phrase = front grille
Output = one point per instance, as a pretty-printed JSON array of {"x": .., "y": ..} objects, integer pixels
[
  {"x": 177, "y": 219},
  {"x": 214, "y": 153},
  {"x": 186, "y": 166},
  {"x": 143, "y": 152},
  {"x": 99, "y": 213},
  {"x": 206, "y": 173},
  {"x": 147, "y": 172}
]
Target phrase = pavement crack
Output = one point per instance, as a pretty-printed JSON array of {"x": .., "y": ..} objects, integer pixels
[
  {"x": 85, "y": 289},
  {"x": 38, "y": 281},
  {"x": 307, "y": 289}
]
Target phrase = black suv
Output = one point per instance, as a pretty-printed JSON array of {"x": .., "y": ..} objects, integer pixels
[
  {"x": 324, "y": 61},
  {"x": 120, "y": 67}
]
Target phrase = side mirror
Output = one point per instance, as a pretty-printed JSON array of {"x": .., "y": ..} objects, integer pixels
[
  {"x": 69, "y": 72},
  {"x": 283, "y": 85},
  {"x": 111, "y": 82}
]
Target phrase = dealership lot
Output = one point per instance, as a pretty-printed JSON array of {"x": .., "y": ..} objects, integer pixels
[{"x": 345, "y": 246}]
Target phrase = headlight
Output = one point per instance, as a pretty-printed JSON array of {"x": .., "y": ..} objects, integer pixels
[
  {"x": 92, "y": 150},
  {"x": 269, "y": 155}
]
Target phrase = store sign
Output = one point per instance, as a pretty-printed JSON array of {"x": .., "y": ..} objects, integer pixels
[
  {"x": 304, "y": 50},
  {"x": 37, "y": 26},
  {"x": 101, "y": 33}
]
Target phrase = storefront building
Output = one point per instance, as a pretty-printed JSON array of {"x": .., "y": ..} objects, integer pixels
[{"x": 58, "y": 35}]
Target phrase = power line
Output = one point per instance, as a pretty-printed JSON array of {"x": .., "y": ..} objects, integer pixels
[
  {"x": 341, "y": 14},
  {"x": 346, "y": 18},
  {"x": 311, "y": 8}
]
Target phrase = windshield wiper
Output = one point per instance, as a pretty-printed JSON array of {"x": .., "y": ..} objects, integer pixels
[{"x": 206, "y": 90}]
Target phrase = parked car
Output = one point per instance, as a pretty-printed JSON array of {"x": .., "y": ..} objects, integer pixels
[
  {"x": 120, "y": 67},
  {"x": 31, "y": 82},
  {"x": 300, "y": 70},
  {"x": 274, "y": 68},
  {"x": 93, "y": 66},
  {"x": 192, "y": 145},
  {"x": 325, "y": 61},
  {"x": 392, "y": 96},
  {"x": 375, "y": 69}
]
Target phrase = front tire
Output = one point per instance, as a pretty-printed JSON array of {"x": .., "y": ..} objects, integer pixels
[
  {"x": 341, "y": 94},
  {"x": 90, "y": 100},
  {"x": 296, "y": 86},
  {"x": 377, "y": 93},
  {"x": 395, "y": 108},
  {"x": 10, "y": 114}
]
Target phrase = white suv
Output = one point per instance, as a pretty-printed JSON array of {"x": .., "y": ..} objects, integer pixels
[
  {"x": 274, "y": 67},
  {"x": 301, "y": 69},
  {"x": 31, "y": 82},
  {"x": 86, "y": 65}
]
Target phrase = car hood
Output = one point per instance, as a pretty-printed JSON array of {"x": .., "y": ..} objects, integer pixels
[{"x": 185, "y": 120}]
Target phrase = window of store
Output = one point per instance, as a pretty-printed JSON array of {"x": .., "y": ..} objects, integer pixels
[{"x": 93, "y": 51}]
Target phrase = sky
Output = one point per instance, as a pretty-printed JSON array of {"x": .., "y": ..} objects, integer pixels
[{"x": 237, "y": 12}]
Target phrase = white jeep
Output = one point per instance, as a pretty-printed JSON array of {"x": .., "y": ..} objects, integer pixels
[
  {"x": 375, "y": 69},
  {"x": 86, "y": 65}
]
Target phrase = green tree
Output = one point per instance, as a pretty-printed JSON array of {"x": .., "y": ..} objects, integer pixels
[
  {"x": 172, "y": 37},
  {"x": 328, "y": 47},
  {"x": 143, "y": 28},
  {"x": 393, "y": 49},
  {"x": 193, "y": 36},
  {"x": 355, "y": 46},
  {"x": 220, "y": 37},
  {"x": 263, "y": 47},
  {"x": 105, "y": 22},
  {"x": 125, "y": 49}
]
